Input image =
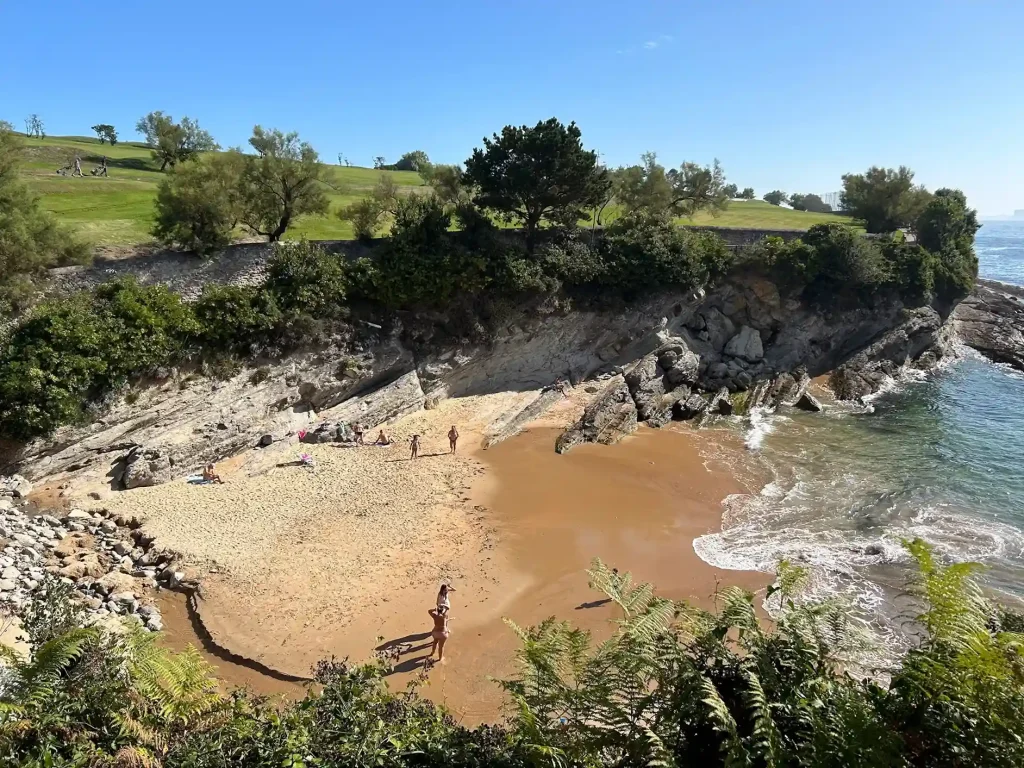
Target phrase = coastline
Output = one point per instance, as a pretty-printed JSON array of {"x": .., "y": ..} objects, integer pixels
[{"x": 515, "y": 542}]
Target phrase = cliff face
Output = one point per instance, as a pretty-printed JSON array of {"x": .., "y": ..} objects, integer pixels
[{"x": 738, "y": 334}]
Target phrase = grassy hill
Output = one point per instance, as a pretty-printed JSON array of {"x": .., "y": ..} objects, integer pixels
[{"x": 118, "y": 210}]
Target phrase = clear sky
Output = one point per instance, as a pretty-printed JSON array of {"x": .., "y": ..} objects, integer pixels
[{"x": 787, "y": 94}]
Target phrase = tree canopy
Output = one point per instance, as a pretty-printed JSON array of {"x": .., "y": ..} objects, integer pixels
[
  {"x": 412, "y": 161},
  {"x": 809, "y": 202},
  {"x": 775, "y": 197},
  {"x": 284, "y": 180},
  {"x": 747, "y": 193},
  {"x": 173, "y": 142},
  {"x": 105, "y": 132},
  {"x": 886, "y": 199},
  {"x": 536, "y": 174}
]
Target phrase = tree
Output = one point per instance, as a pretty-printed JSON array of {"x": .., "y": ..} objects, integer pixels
[
  {"x": 172, "y": 142},
  {"x": 537, "y": 174},
  {"x": 413, "y": 161},
  {"x": 775, "y": 197},
  {"x": 197, "y": 204},
  {"x": 105, "y": 132},
  {"x": 645, "y": 187},
  {"x": 946, "y": 227},
  {"x": 379, "y": 163},
  {"x": 31, "y": 240},
  {"x": 884, "y": 198},
  {"x": 283, "y": 181},
  {"x": 698, "y": 188},
  {"x": 34, "y": 126},
  {"x": 369, "y": 214},
  {"x": 809, "y": 202},
  {"x": 747, "y": 193},
  {"x": 731, "y": 191},
  {"x": 447, "y": 183}
]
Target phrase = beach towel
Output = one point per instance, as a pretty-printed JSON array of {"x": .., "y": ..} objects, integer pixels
[{"x": 197, "y": 480}]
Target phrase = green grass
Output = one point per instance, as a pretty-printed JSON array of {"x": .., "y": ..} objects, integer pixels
[{"x": 118, "y": 211}]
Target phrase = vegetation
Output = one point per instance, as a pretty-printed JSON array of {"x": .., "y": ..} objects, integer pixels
[
  {"x": 649, "y": 189},
  {"x": 539, "y": 174},
  {"x": 747, "y": 193},
  {"x": 776, "y": 197},
  {"x": 172, "y": 142},
  {"x": 198, "y": 205},
  {"x": 31, "y": 241},
  {"x": 884, "y": 198},
  {"x": 809, "y": 202},
  {"x": 105, "y": 132},
  {"x": 672, "y": 686}
]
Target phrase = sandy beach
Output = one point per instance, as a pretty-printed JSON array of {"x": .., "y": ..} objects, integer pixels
[{"x": 298, "y": 565}]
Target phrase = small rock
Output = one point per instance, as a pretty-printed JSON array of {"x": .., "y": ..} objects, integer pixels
[
  {"x": 78, "y": 514},
  {"x": 10, "y": 573},
  {"x": 7, "y": 585},
  {"x": 19, "y": 486},
  {"x": 148, "y": 610},
  {"x": 109, "y": 526},
  {"x": 122, "y": 548},
  {"x": 50, "y": 520},
  {"x": 808, "y": 402},
  {"x": 266, "y": 440},
  {"x": 154, "y": 624},
  {"x": 25, "y": 540}
]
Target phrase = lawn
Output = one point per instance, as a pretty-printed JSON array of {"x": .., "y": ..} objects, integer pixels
[{"x": 118, "y": 210}]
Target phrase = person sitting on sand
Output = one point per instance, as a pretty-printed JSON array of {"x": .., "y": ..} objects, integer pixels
[
  {"x": 440, "y": 632},
  {"x": 382, "y": 439},
  {"x": 453, "y": 437},
  {"x": 442, "y": 597},
  {"x": 210, "y": 476},
  {"x": 414, "y": 445}
]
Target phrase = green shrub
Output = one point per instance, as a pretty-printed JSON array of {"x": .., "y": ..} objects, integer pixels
[
  {"x": 646, "y": 254},
  {"x": 71, "y": 352},
  {"x": 197, "y": 204},
  {"x": 422, "y": 264},
  {"x": 31, "y": 240},
  {"x": 305, "y": 278},
  {"x": 947, "y": 227},
  {"x": 237, "y": 319}
]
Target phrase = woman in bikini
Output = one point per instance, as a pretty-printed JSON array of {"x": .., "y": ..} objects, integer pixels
[
  {"x": 453, "y": 437},
  {"x": 440, "y": 632},
  {"x": 414, "y": 444}
]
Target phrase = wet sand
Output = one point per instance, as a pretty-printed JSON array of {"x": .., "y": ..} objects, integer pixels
[{"x": 637, "y": 505}]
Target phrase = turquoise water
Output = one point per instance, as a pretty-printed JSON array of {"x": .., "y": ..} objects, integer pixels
[{"x": 937, "y": 457}]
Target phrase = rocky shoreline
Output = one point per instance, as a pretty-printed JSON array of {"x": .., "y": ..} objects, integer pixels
[{"x": 112, "y": 565}]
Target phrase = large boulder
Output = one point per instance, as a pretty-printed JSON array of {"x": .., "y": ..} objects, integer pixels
[
  {"x": 690, "y": 408},
  {"x": 681, "y": 367},
  {"x": 145, "y": 467},
  {"x": 329, "y": 432},
  {"x": 721, "y": 403},
  {"x": 608, "y": 419},
  {"x": 746, "y": 345},
  {"x": 17, "y": 486},
  {"x": 645, "y": 385}
]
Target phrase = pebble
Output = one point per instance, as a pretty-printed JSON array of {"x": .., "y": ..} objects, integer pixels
[{"x": 7, "y": 585}]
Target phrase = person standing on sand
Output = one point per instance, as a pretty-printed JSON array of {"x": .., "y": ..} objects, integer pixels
[
  {"x": 442, "y": 597},
  {"x": 453, "y": 437},
  {"x": 358, "y": 429},
  {"x": 414, "y": 445},
  {"x": 440, "y": 633}
]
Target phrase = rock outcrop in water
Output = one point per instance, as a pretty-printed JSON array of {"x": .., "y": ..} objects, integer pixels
[
  {"x": 675, "y": 353},
  {"x": 991, "y": 320}
]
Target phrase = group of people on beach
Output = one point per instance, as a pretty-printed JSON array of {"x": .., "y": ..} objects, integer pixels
[{"x": 414, "y": 441}]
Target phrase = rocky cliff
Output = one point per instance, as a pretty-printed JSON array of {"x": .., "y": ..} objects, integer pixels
[{"x": 671, "y": 350}]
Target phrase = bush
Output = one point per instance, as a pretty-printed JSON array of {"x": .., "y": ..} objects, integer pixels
[
  {"x": 421, "y": 264},
  {"x": 947, "y": 227},
  {"x": 197, "y": 204},
  {"x": 307, "y": 279},
  {"x": 237, "y": 319},
  {"x": 648, "y": 254},
  {"x": 70, "y": 352},
  {"x": 31, "y": 241}
]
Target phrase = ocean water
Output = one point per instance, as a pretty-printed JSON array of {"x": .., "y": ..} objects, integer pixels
[{"x": 935, "y": 456}]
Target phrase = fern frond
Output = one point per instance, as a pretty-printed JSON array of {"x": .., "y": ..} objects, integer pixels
[{"x": 725, "y": 724}]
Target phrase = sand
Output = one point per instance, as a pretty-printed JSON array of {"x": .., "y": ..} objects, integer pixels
[{"x": 300, "y": 565}]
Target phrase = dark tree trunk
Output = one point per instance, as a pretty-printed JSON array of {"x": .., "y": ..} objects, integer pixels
[{"x": 282, "y": 227}]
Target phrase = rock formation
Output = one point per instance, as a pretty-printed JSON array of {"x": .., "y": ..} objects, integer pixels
[{"x": 991, "y": 320}]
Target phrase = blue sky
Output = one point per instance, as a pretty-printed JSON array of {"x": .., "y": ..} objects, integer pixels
[{"x": 787, "y": 95}]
